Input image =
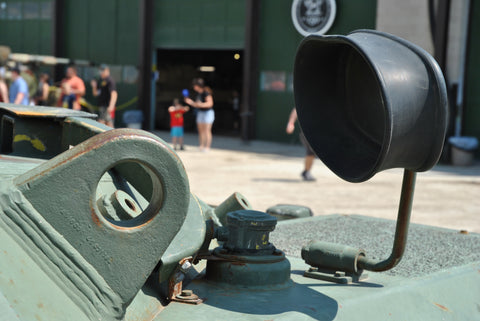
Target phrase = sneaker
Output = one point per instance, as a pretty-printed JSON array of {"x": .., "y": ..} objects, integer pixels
[
  {"x": 307, "y": 176},
  {"x": 182, "y": 147}
]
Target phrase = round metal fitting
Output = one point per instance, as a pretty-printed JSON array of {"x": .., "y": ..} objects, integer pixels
[{"x": 248, "y": 232}]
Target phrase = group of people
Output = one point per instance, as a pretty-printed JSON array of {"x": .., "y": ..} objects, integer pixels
[
  {"x": 72, "y": 89},
  {"x": 18, "y": 92},
  {"x": 202, "y": 101}
]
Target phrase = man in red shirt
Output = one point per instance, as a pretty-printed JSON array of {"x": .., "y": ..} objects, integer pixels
[
  {"x": 72, "y": 89},
  {"x": 176, "y": 123}
]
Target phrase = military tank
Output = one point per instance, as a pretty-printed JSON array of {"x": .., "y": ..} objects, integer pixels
[{"x": 100, "y": 224}]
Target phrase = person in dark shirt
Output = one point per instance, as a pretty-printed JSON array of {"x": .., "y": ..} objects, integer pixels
[
  {"x": 205, "y": 114},
  {"x": 41, "y": 96},
  {"x": 106, "y": 92}
]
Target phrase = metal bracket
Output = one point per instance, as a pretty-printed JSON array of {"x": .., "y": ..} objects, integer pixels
[
  {"x": 63, "y": 190},
  {"x": 334, "y": 276},
  {"x": 175, "y": 284},
  {"x": 187, "y": 296}
]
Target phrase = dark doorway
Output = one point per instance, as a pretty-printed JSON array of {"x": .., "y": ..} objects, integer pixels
[{"x": 222, "y": 71}]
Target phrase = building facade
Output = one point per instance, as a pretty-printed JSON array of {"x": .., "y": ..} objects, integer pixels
[{"x": 244, "y": 49}]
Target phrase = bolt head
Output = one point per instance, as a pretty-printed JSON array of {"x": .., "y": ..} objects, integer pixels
[{"x": 185, "y": 266}]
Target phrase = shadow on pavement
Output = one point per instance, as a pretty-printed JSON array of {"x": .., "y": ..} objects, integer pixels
[
  {"x": 473, "y": 170},
  {"x": 236, "y": 144},
  {"x": 293, "y": 150},
  {"x": 277, "y": 180}
]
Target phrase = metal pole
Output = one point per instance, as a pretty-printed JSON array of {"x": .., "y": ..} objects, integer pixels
[
  {"x": 401, "y": 230},
  {"x": 153, "y": 90},
  {"x": 250, "y": 69},
  {"x": 58, "y": 37},
  {"x": 145, "y": 60}
]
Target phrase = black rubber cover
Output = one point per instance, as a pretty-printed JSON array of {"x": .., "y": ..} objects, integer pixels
[{"x": 370, "y": 101}]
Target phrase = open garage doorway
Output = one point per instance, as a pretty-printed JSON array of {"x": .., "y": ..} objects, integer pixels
[{"x": 222, "y": 71}]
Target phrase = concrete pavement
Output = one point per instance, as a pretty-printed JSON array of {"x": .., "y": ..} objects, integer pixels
[{"x": 269, "y": 173}]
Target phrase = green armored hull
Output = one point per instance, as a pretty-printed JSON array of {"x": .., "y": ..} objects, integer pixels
[{"x": 100, "y": 224}]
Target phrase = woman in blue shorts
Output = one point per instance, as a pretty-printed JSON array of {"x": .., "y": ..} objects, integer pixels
[{"x": 205, "y": 114}]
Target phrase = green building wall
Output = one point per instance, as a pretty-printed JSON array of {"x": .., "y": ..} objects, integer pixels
[
  {"x": 278, "y": 44},
  {"x": 199, "y": 24},
  {"x": 102, "y": 31},
  {"x": 95, "y": 31},
  {"x": 27, "y": 26},
  {"x": 471, "y": 120},
  {"x": 105, "y": 31},
  {"x": 99, "y": 31}
]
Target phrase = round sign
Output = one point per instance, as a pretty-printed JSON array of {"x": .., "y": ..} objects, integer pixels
[{"x": 313, "y": 16}]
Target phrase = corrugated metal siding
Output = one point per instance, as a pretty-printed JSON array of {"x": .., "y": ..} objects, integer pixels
[
  {"x": 26, "y": 26},
  {"x": 102, "y": 31},
  {"x": 199, "y": 24}
]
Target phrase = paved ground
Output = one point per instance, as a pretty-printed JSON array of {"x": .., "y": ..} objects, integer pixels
[{"x": 269, "y": 173}]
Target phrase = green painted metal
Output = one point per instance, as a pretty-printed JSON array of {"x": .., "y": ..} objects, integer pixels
[
  {"x": 194, "y": 24},
  {"x": 235, "y": 202},
  {"x": 123, "y": 186},
  {"x": 248, "y": 232},
  {"x": 35, "y": 132},
  {"x": 381, "y": 297},
  {"x": 99, "y": 229},
  {"x": 139, "y": 241},
  {"x": 101, "y": 225},
  {"x": 247, "y": 258},
  {"x": 332, "y": 257},
  {"x": 286, "y": 212},
  {"x": 273, "y": 273}
]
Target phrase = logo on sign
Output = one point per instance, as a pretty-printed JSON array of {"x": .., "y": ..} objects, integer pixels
[{"x": 313, "y": 16}]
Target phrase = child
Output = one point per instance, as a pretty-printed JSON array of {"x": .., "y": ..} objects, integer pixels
[{"x": 176, "y": 123}]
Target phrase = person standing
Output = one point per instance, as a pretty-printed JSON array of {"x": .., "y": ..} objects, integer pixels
[
  {"x": 73, "y": 88},
  {"x": 176, "y": 123},
  {"x": 236, "y": 110},
  {"x": 205, "y": 114},
  {"x": 309, "y": 154},
  {"x": 41, "y": 96},
  {"x": 105, "y": 90},
  {"x": 69, "y": 99},
  {"x": 3, "y": 87},
  {"x": 18, "y": 89}
]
